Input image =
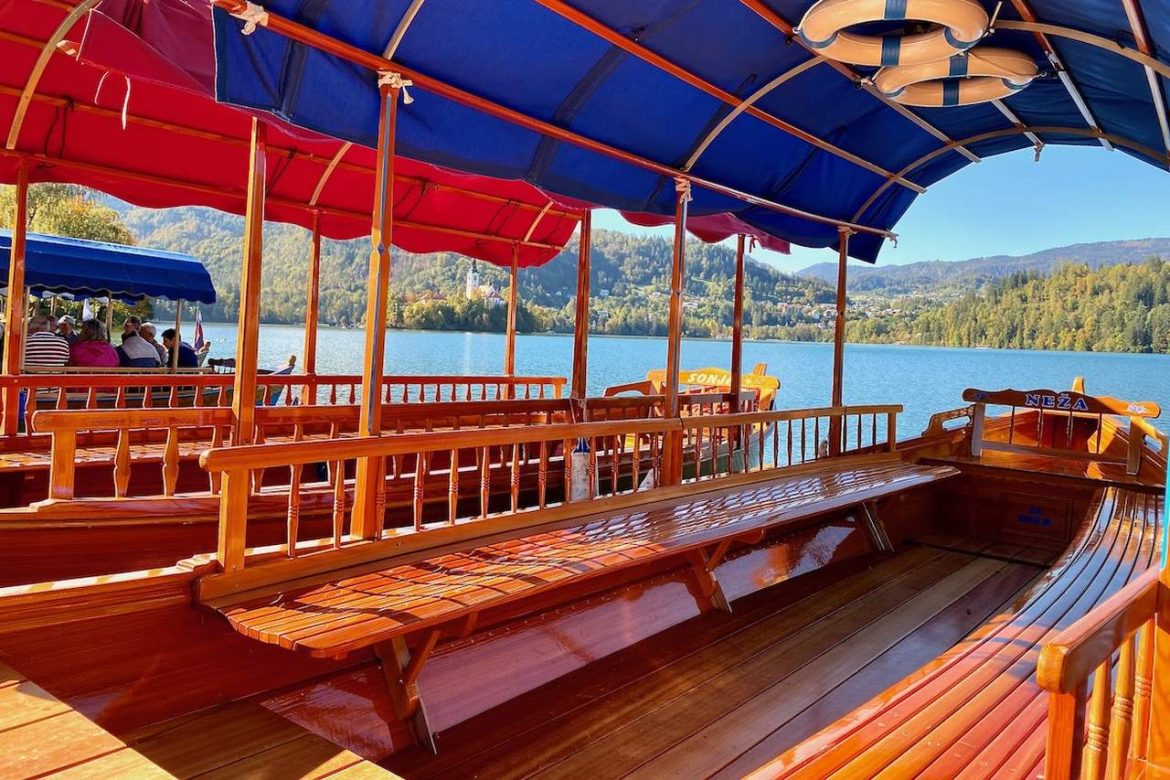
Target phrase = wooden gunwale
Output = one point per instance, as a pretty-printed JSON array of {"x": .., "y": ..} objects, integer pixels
[{"x": 931, "y": 698}]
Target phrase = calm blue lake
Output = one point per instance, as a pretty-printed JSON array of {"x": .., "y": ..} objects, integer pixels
[{"x": 924, "y": 379}]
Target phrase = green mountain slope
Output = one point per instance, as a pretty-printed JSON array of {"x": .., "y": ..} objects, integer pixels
[{"x": 630, "y": 281}]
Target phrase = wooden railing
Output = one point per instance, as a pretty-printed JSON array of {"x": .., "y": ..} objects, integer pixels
[
  {"x": 645, "y": 406},
  {"x": 1101, "y": 734},
  {"x": 1063, "y": 424},
  {"x": 453, "y": 480},
  {"x": 135, "y": 432},
  {"x": 755, "y": 441},
  {"x": 135, "y": 389}
]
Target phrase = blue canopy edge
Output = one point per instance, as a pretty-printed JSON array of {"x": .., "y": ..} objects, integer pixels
[{"x": 94, "y": 268}]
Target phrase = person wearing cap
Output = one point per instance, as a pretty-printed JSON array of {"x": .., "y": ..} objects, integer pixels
[{"x": 66, "y": 329}]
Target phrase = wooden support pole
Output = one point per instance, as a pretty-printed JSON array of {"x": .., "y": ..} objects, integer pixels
[
  {"x": 737, "y": 327},
  {"x": 401, "y": 672},
  {"x": 248, "y": 333},
  {"x": 313, "y": 304},
  {"x": 839, "y": 343},
  {"x": 581, "y": 321},
  {"x": 369, "y": 488},
  {"x": 673, "y": 462},
  {"x": 178, "y": 334},
  {"x": 14, "y": 326},
  {"x": 513, "y": 303}
]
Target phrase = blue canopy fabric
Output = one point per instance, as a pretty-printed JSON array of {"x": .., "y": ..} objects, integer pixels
[
  {"x": 531, "y": 59},
  {"x": 93, "y": 268}
]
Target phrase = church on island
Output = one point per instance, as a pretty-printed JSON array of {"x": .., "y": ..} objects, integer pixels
[{"x": 487, "y": 292}]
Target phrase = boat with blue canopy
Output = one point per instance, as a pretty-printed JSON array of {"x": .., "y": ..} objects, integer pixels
[{"x": 398, "y": 575}]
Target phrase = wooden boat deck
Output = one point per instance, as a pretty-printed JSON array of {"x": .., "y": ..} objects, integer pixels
[
  {"x": 42, "y": 735},
  {"x": 699, "y": 698}
]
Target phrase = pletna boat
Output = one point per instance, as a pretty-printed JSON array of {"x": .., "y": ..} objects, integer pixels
[{"x": 422, "y": 576}]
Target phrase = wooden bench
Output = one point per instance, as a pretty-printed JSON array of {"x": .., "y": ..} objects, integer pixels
[
  {"x": 42, "y": 735},
  {"x": 379, "y": 605},
  {"x": 977, "y": 711}
]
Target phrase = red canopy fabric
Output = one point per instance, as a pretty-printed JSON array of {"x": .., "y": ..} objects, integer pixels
[{"x": 115, "y": 110}]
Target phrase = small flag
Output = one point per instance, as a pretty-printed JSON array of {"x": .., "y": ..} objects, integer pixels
[
  {"x": 199, "y": 340},
  {"x": 86, "y": 311}
]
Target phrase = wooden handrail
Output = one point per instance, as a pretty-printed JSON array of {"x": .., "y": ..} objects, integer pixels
[
  {"x": 1068, "y": 659},
  {"x": 1098, "y": 734},
  {"x": 748, "y": 418},
  {"x": 294, "y": 453}
]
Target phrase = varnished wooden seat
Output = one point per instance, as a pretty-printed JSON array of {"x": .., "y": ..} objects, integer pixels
[
  {"x": 977, "y": 710},
  {"x": 365, "y": 609}
]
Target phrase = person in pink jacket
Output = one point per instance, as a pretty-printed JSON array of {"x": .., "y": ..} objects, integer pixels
[{"x": 92, "y": 348}]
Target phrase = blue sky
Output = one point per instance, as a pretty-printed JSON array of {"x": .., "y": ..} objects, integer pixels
[{"x": 1012, "y": 205}]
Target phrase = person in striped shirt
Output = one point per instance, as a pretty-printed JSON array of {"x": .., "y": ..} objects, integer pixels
[{"x": 44, "y": 348}]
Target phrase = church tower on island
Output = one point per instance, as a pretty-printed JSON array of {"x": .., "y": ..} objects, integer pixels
[{"x": 472, "y": 287}]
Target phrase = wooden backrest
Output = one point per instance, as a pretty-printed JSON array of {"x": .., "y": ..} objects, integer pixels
[{"x": 1056, "y": 414}]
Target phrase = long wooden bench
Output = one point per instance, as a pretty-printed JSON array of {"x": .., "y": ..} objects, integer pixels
[
  {"x": 977, "y": 711},
  {"x": 377, "y": 606},
  {"x": 41, "y": 735}
]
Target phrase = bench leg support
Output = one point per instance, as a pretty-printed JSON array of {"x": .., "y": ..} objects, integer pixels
[
  {"x": 401, "y": 671},
  {"x": 706, "y": 588},
  {"x": 875, "y": 528}
]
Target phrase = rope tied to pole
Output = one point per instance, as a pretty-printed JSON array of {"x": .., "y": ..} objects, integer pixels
[
  {"x": 394, "y": 80},
  {"x": 252, "y": 14},
  {"x": 682, "y": 188}
]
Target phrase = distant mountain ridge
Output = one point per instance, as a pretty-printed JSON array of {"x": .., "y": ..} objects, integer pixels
[{"x": 966, "y": 275}]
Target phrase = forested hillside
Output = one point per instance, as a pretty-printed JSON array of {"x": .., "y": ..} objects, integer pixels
[
  {"x": 630, "y": 282},
  {"x": 1117, "y": 308},
  {"x": 952, "y": 279}
]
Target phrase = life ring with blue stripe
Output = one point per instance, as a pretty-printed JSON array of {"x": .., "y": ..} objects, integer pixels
[
  {"x": 960, "y": 25},
  {"x": 976, "y": 76}
]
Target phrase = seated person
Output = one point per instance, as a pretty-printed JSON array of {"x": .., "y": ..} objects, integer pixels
[
  {"x": 44, "y": 348},
  {"x": 92, "y": 349},
  {"x": 147, "y": 331},
  {"x": 137, "y": 352},
  {"x": 187, "y": 356},
  {"x": 66, "y": 329},
  {"x": 130, "y": 326}
]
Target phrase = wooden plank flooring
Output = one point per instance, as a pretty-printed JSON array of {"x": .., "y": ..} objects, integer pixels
[
  {"x": 718, "y": 693},
  {"x": 40, "y": 736}
]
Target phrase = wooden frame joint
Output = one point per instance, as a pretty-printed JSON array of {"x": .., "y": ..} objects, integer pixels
[
  {"x": 706, "y": 588},
  {"x": 401, "y": 670}
]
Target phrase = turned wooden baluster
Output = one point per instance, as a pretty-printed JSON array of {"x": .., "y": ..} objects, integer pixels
[
  {"x": 789, "y": 443},
  {"x": 635, "y": 463},
  {"x": 352, "y": 394},
  {"x": 567, "y": 464},
  {"x": 173, "y": 397},
  {"x": 1098, "y": 735},
  {"x": 1143, "y": 688},
  {"x": 656, "y": 458},
  {"x": 485, "y": 480},
  {"x": 293, "y": 519},
  {"x": 591, "y": 467},
  {"x": 453, "y": 489},
  {"x": 62, "y": 398},
  {"x": 258, "y": 474},
  {"x": 337, "y": 474},
  {"x": 122, "y": 464},
  {"x": 542, "y": 476},
  {"x": 615, "y": 462},
  {"x": 1121, "y": 724},
  {"x": 170, "y": 463},
  {"x": 333, "y": 394},
  {"x": 514, "y": 481},
  {"x": 697, "y": 448},
  {"x": 420, "y": 475},
  {"x": 213, "y": 478},
  {"x": 30, "y": 408}
]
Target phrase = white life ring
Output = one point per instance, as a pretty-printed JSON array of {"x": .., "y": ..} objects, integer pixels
[
  {"x": 976, "y": 76},
  {"x": 963, "y": 24}
]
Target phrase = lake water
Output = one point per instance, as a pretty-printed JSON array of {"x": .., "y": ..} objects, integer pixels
[{"x": 924, "y": 379}]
